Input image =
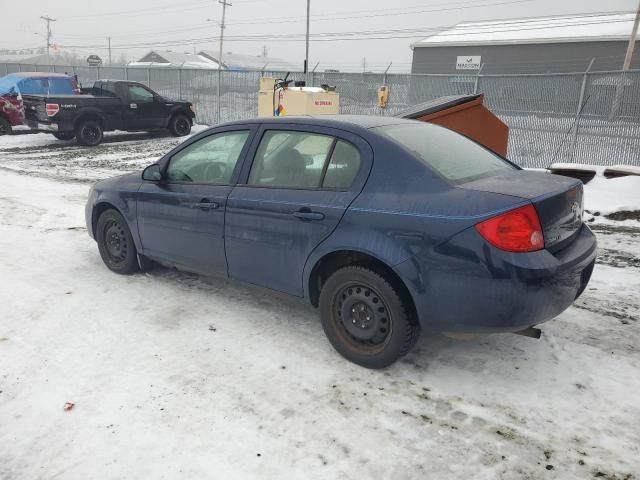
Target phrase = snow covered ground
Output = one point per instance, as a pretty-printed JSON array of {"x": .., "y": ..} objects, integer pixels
[{"x": 178, "y": 376}]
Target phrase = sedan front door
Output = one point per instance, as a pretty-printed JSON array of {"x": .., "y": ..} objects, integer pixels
[
  {"x": 181, "y": 218},
  {"x": 296, "y": 190}
]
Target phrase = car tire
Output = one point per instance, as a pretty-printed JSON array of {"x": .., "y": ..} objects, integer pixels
[
  {"x": 64, "y": 135},
  {"x": 89, "y": 133},
  {"x": 366, "y": 318},
  {"x": 115, "y": 243},
  {"x": 5, "y": 127},
  {"x": 180, "y": 125}
]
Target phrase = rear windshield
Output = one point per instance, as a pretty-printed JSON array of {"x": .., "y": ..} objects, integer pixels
[{"x": 453, "y": 156}]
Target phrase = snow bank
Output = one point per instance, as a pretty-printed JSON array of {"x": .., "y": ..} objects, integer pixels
[{"x": 612, "y": 195}]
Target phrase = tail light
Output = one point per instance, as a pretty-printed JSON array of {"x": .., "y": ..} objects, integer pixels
[
  {"x": 52, "y": 109},
  {"x": 518, "y": 230}
]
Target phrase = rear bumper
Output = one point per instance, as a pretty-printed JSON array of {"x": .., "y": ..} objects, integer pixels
[{"x": 476, "y": 288}]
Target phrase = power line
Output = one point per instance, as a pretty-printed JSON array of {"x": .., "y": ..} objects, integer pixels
[
  {"x": 256, "y": 21},
  {"x": 388, "y": 34}
]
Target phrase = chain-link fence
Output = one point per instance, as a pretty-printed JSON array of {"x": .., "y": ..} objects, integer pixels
[{"x": 578, "y": 118}]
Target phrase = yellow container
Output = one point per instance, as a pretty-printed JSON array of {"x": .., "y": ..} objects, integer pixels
[{"x": 295, "y": 100}]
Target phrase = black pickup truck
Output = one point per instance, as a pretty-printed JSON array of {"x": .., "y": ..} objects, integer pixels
[{"x": 109, "y": 105}]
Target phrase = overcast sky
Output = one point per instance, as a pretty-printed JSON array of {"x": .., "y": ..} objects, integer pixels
[{"x": 83, "y": 26}]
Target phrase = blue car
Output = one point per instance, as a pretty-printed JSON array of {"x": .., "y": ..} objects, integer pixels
[{"x": 389, "y": 226}]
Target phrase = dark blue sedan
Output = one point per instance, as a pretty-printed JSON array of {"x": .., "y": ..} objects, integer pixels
[{"x": 389, "y": 226}]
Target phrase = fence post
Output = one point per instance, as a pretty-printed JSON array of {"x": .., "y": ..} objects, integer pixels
[
  {"x": 583, "y": 90},
  {"x": 98, "y": 72},
  {"x": 180, "y": 83},
  {"x": 477, "y": 80},
  {"x": 149, "y": 77},
  {"x": 126, "y": 73}
]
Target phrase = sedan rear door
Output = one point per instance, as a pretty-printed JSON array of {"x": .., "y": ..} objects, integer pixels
[{"x": 290, "y": 198}]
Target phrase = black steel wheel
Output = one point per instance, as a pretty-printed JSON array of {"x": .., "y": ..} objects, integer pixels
[
  {"x": 5, "y": 126},
  {"x": 89, "y": 133},
  {"x": 365, "y": 318},
  {"x": 180, "y": 125},
  {"x": 115, "y": 243}
]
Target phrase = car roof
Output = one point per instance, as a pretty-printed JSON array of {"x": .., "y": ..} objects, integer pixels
[
  {"x": 38, "y": 74},
  {"x": 347, "y": 122}
]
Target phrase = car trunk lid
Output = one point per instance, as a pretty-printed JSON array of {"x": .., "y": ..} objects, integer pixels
[{"x": 558, "y": 201}]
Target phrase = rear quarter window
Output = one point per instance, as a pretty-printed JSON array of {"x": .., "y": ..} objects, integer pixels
[{"x": 451, "y": 155}]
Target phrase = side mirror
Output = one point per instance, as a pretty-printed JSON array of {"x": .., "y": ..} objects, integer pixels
[{"x": 152, "y": 173}]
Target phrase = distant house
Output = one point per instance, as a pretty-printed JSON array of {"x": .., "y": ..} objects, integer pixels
[
  {"x": 236, "y": 61},
  {"x": 169, "y": 59},
  {"x": 528, "y": 45}
]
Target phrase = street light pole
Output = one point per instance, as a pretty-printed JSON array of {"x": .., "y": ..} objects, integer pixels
[
  {"x": 306, "y": 57},
  {"x": 225, "y": 4}
]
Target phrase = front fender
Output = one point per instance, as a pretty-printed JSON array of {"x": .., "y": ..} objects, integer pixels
[{"x": 123, "y": 201}]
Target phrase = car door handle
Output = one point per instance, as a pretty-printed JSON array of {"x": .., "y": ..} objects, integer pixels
[
  {"x": 205, "y": 204},
  {"x": 306, "y": 215}
]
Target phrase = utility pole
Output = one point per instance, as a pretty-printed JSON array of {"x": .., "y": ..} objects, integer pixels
[
  {"x": 632, "y": 41},
  {"x": 306, "y": 56},
  {"x": 625, "y": 66},
  {"x": 48, "y": 20},
  {"x": 109, "y": 40},
  {"x": 225, "y": 4}
]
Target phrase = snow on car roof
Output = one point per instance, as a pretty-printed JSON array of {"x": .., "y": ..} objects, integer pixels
[
  {"x": 36, "y": 74},
  {"x": 565, "y": 28}
]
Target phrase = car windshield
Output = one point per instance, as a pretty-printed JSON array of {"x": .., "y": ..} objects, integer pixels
[
  {"x": 6, "y": 84},
  {"x": 453, "y": 156}
]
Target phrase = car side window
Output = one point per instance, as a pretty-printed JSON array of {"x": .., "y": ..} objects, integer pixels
[
  {"x": 289, "y": 159},
  {"x": 210, "y": 160},
  {"x": 343, "y": 167},
  {"x": 140, "y": 94},
  {"x": 108, "y": 90}
]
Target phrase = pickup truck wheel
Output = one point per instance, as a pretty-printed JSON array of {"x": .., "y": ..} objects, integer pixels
[
  {"x": 5, "y": 126},
  {"x": 89, "y": 133},
  {"x": 115, "y": 243},
  {"x": 180, "y": 125},
  {"x": 64, "y": 135},
  {"x": 365, "y": 318}
]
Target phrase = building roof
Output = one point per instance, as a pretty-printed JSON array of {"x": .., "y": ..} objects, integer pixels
[
  {"x": 237, "y": 61},
  {"x": 169, "y": 59},
  {"x": 557, "y": 29}
]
